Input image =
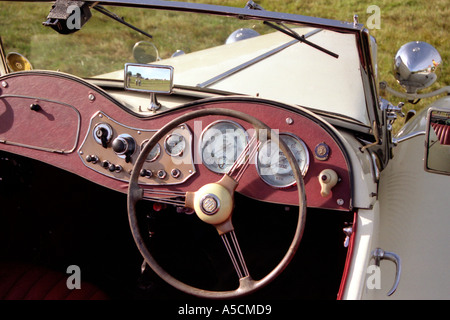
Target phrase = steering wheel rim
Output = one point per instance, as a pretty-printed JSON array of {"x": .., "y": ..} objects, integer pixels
[{"x": 246, "y": 284}]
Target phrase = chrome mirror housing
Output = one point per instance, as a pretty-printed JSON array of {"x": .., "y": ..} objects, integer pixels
[{"x": 415, "y": 65}]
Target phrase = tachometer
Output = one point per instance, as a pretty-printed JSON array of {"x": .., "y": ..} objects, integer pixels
[
  {"x": 221, "y": 144},
  {"x": 154, "y": 153},
  {"x": 273, "y": 166}
]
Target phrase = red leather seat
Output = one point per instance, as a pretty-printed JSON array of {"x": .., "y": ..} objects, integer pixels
[
  {"x": 443, "y": 132},
  {"x": 26, "y": 282}
]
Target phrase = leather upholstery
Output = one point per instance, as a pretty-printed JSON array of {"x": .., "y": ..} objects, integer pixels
[
  {"x": 443, "y": 132},
  {"x": 26, "y": 282}
]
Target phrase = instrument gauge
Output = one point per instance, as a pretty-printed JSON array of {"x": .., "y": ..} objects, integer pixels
[
  {"x": 154, "y": 153},
  {"x": 175, "y": 144},
  {"x": 221, "y": 143},
  {"x": 273, "y": 166}
]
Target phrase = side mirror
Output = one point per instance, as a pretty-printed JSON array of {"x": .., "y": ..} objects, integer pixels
[
  {"x": 145, "y": 52},
  {"x": 437, "y": 153},
  {"x": 149, "y": 78},
  {"x": 415, "y": 65}
]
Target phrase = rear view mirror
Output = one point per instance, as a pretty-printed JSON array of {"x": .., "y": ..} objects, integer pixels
[
  {"x": 437, "y": 153},
  {"x": 148, "y": 78}
]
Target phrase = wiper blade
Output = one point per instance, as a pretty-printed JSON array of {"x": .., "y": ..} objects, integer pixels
[
  {"x": 119, "y": 19},
  {"x": 294, "y": 35}
]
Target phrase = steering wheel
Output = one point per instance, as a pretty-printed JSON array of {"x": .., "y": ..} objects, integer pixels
[{"x": 213, "y": 203}]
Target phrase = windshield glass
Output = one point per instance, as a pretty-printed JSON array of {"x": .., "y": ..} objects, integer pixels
[{"x": 269, "y": 64}]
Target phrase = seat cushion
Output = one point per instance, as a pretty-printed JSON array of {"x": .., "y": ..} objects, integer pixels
[
  {"x": 27, "y": 282},
  {"x": 443, "y": 132}
]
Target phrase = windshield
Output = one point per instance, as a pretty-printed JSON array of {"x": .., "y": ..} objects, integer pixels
[{"x": 258, "y": 60}]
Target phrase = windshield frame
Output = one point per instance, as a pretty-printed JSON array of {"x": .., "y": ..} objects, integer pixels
[{"x": 361, "y": 35}]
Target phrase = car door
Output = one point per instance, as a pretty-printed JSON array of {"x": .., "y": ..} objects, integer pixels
[{"x": 414, "y": 222}]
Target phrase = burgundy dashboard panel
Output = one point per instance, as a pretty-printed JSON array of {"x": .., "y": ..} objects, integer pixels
[{"x": 71, "y": 124}]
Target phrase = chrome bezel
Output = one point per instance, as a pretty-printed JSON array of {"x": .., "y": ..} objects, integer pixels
[
  {"x": 165, "y": 144},
  {"x": 303, "y": 170},
  {"x": 236, "y": 126},
  {"x": 158, "y": 151}
]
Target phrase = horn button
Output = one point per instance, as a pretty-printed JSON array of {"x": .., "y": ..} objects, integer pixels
[{"x": 213, "y": 203}]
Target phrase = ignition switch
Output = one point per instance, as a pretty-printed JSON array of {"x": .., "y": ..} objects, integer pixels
[{"x": 103, "y": 134}]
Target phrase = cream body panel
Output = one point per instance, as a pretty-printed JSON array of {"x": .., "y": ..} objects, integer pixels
[
  {"x": 315, "y": 79},
  {"x": 414, "y": 223},
  {"x": 365, "y": 236},
  {"x": 364, "y": 179}
]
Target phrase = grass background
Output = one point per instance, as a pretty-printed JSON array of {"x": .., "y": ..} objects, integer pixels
[{"x": 402, "y": 21}]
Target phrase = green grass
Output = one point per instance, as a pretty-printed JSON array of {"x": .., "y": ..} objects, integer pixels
[{"x": 402, "y": 21}]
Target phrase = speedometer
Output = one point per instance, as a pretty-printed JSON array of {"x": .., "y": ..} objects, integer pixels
[
  {"x": 273, "y": 166},
  {"x": 221, "y": 144}
]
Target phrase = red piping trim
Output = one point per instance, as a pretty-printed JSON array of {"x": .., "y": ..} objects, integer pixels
[{"x": 347, "y": 259}]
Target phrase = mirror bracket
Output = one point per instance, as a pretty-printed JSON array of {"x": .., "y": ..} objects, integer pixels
[
  {"x": 154, "y": 104},
  {"x": 384, "y": 87}
]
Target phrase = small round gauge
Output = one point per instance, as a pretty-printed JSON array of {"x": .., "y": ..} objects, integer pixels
[
  {"x": 221, "y": 144},
  {"x": 154, "y": 153},
  {"x": 273, "y": 166},
  {"x": 175, "y": 144}
]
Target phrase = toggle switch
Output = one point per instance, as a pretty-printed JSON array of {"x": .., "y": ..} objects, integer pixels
[{"x": 327, "y": 179}]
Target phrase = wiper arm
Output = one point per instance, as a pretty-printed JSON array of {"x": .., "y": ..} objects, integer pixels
[
  {"x": 294, "y": 35},
  {"x": 253, "y": 61},
  {"x": 114, "y": 16}
]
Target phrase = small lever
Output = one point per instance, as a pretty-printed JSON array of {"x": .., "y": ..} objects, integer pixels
[
  {"x": 327, "y": 179},
  {"x": 102, "y": 134}
]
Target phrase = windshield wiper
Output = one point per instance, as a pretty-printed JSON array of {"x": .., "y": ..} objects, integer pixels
[
  {"x": 114, "y": 16},
  {"x": 254, "y": 6},
  {"x": 294, "y": 35},
  {"x": 253, "y": 61}
]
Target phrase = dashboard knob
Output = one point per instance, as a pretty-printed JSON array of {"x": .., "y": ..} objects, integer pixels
[
  {"x": 105, "y": 163},
  {"x": 124, "y": 145},
  {"x": 328, "y": 178},
  {"x": 92, "y": 158}
]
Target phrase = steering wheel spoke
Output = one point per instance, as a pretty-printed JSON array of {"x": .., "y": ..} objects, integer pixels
[
  {"x": 242, "y": 162},
  {"x": 177, "y": 198},
  {"x": 234, "y": 251}
]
